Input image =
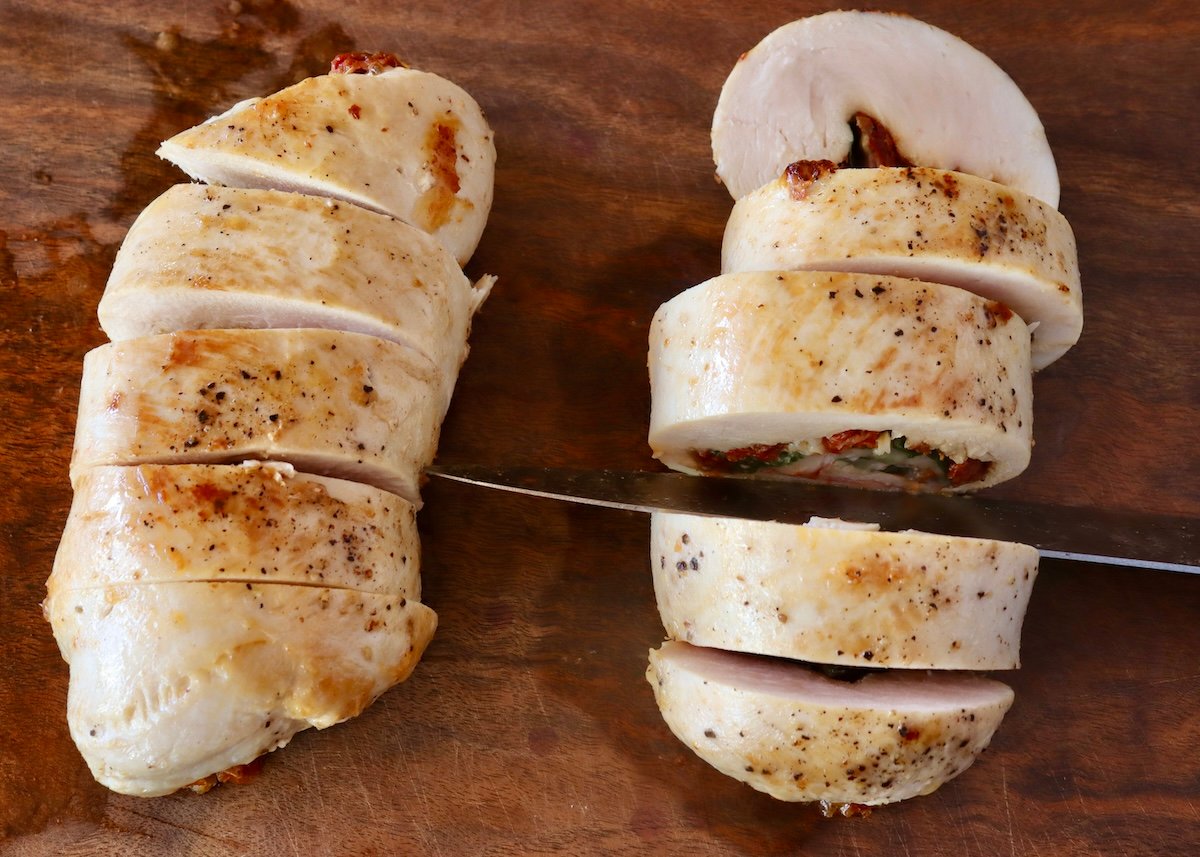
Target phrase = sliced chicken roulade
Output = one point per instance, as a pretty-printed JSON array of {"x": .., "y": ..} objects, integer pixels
[
  {"x": 241, "y": 560},
  {"x": 332, "y": 403},
  {"x": 849, "y": 596},
  {"x": 849, "y": 378},
  {"x": 172, "y": 682},
  {"x": 916, "y": 95},
  {"x": 935, "y": 225},
  {"x": 399, "y": 141},
  {"x": 800, "y": 736},
  {"x": 217, "y": 257},
  {"x": 258, "y": 522}
]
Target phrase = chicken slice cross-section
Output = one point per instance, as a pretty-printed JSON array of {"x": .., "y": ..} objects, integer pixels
[
  {"x": 853, "y": 597},
  {"x": 856, "y": 379},
  {"x": 257, "y": 522},
  {"x": 218, "y": 257},
  {"x": 801, "y": 736},
  {"x": 337, "y": 404},
  {"x": 793, "y": 97},
  {"x": 934, "y": 225},
  {"x": 404, "y": 142}
]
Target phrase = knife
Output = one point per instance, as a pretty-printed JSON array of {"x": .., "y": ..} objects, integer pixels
[{"x": 1166, "y": 543}]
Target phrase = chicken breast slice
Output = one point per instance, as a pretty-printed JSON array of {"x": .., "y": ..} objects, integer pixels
[
  {"x": 405, "y": 142},
  {"x": 217, "y": 257},
  {"x": 252, "y": 522},
  {"x": 841, "y": 596},
  {"x": 748, "y": 365},
  {"x": 800, "y": 736},
  {"x": 332, "y": 403},
  {"x": 172, "y": 682},
  {"x": 931, "y": 224},
  {"x": 947, "y": 105}
]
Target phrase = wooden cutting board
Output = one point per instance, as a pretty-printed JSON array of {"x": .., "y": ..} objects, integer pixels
[{"x": 529, "y": 727}]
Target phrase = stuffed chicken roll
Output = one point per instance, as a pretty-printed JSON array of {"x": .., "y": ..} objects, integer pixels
[
  {"x": 219, "y": 257},
  {"x": 836, "y": 593},
  {"x": 396, "y": 140},
  {"x": 843, "y": 378}
]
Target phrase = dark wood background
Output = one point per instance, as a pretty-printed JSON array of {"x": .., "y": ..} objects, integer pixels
[{"x": 529, "y": 728}]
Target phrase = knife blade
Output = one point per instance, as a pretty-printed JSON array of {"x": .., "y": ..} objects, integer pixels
[{"x": 1161, "y": 542}]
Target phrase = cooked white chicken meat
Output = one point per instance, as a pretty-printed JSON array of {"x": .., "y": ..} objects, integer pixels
[
  {"x": 403, "y": 142},
  {"x": 253, "y": 522},
  {"x": 934, "y": 225},
  {"x": 172, "y": 682},
  {"x": 332, "y": 403},
  {"x": 218, "y": 257},
  {"x": 911, "y": 88},
  {"x": 241, "y": 559},
  {"x": 800, "y": 736},
  {"x": 841, "y": 596},
  {"x": 849, "y": 378}
]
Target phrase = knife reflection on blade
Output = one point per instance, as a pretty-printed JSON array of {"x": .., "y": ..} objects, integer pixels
[{"x": 1161, "y": 542}]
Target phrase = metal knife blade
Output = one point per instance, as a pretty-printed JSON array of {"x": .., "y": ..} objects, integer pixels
[{"x": 1167, "y": 543}]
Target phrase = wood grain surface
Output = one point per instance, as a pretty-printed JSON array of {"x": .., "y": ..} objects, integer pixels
[{"x": 529, "y": 727}]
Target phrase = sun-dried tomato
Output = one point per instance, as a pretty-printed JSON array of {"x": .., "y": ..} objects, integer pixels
[
  {"x": 852, "y": 439},
  {"x": 716, "y": 461},
  {"x": 361, "y": 62},
  {"x": 964, "y": 472}
]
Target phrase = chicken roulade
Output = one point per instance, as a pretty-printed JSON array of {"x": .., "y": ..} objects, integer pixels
[
  {"x": 911, "y": 93},
  {"x": 935, "y": 225},
  {"x": 332, "y": 403},
  {"x": 173, "y": 682},
  {"x": 217, "y": 257},
  {"x": 396, "y": 140},
  {"x": 852, "y": 595},
  {"x": 798, "y": 735},
  {"x": 848, "y": 378},
  {"x": 257, "y": 521}
]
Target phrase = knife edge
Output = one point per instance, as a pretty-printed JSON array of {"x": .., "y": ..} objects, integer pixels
[{"x": 1159, "y": 542}]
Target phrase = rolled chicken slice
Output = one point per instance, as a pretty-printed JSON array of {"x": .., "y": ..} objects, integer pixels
[
  {"x": 258, "y": 522},
  {"x": 931, "y": 224},
  {"x": 172, "y": 682},
  {"x": 800, "y": 736},
  {"x": 854, "y": 597},
  {"x": 943, "y": 104},
  {"x": 846, "y": 378},
  {"x": 218, "y": 257},
  {"x": 402, "y": 142},
  {"x": 336, "y": 404}
]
